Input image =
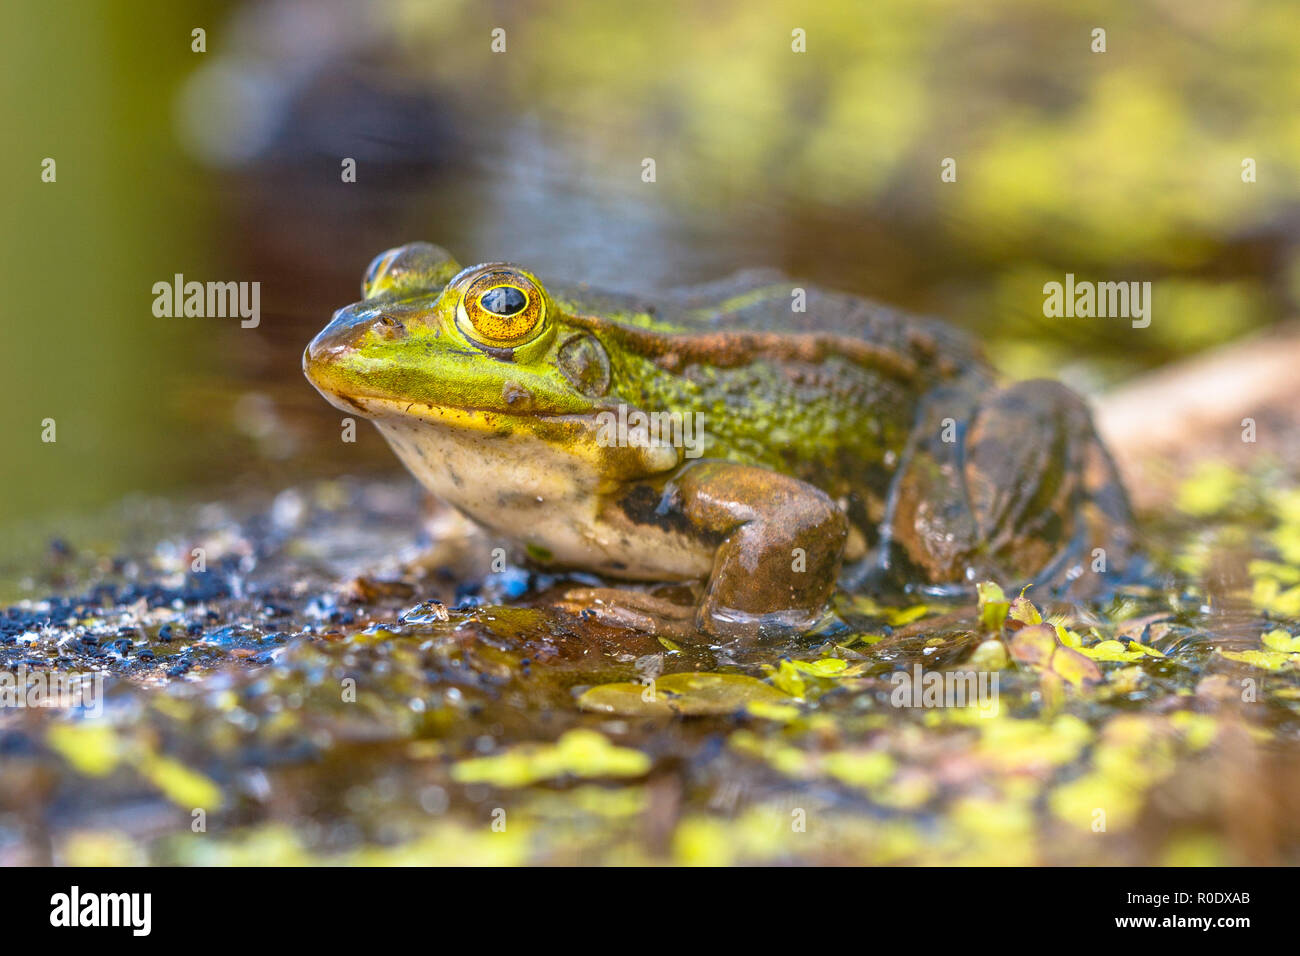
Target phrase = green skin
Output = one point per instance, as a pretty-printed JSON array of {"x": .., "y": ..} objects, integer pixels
[{"x": 841, "y": 442}]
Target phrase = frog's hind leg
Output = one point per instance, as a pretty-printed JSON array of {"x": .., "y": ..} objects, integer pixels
[{"x": 1018, "y": 489}]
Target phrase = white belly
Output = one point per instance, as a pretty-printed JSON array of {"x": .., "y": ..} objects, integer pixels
[{"x": 538, "y": 494}]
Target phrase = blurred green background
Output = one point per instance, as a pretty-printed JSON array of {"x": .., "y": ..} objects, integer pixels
[{"x": 225, "y": 165}]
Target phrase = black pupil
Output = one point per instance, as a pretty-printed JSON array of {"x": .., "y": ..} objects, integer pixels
[{"x": 503, "y": 300}]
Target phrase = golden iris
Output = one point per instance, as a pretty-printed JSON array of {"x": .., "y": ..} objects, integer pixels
[{"x": 503, "y": 308}]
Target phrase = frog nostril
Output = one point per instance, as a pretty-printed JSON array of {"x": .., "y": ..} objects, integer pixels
[{"x": 389, "y": 327}]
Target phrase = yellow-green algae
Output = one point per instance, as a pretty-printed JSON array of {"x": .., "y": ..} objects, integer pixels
[
  {"x": 1133, "y": 731},
  {"x": 578, "y": 753}
]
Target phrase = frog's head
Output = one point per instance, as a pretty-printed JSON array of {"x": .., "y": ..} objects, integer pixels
[
  {"x": 429, "y": 338},
  {"x": 482, "y": 349}
]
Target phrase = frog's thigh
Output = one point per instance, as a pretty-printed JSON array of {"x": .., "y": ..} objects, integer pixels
[
  {"x": 781, "y": 543},
  {"x": 1025, "y": 490}
]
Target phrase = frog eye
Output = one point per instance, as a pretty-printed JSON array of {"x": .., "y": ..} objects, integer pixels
[{"x": 502, "y": 308}]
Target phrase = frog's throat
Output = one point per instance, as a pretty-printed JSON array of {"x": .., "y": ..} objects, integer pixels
[
  {"x": 575, "y": 439},
  {"x": 543, "y": 494}
]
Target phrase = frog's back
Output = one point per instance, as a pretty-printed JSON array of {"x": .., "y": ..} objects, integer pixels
[
  {"x": 764, "y": 301},
  {"x": 827, "y": 394}
]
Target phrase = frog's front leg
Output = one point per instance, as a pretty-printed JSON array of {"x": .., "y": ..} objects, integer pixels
[
  {"x": 779, "y": 543},
  {"x": 1015, "y": 487}
]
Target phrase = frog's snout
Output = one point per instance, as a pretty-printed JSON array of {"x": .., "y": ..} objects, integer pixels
[
  {"x": 324, "y": 356},
  {"x": 339, "y": 337},
  {"x": 349, "y": 327}
]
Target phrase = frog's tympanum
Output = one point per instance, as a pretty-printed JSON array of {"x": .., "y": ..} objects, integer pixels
[{"x": 765, "y": 439}]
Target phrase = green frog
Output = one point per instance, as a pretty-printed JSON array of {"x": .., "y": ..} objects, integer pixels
[{"x": 766, "y": 440}]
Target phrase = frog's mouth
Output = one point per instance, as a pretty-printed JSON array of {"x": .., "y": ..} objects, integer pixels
[
  {"x": 578, "y": 436},
  {"x": 582, "y": 434},
  {"x": 377, "y": 394},
  {"x": 380, "y": 409}
]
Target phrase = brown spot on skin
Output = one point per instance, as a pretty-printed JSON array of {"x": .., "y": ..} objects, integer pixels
[
  {"x": 645, "y": 505},
  {"x": 922, "y": 343},
  {"x": 500, "y": 354},
  {"x": 516, "y": 396}
]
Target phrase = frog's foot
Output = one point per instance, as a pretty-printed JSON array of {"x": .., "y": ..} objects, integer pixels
[
  {"x": 623, "y": 607},
  {"x": 779, "y": 545},
  {"x": 1026, "y": 493}
]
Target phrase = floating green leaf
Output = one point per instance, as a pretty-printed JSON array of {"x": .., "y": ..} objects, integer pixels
[
  {"x": 1023, "y": 610},
  {"x": 183, "y": 786},
  {"x": 689, "y": 694},
  {"x": 1114, "y": 651},
  {"x": 1266, "y": 660},
  {"x": 993, "y": 606},
  {"x": 1210, "y": 489},
  {"x": 1280, "y": 640},
  {"x": 825, "y": 667},
  {"x": 578, "y": 753},
  {"x": 1040, "y": 647},
  {"x": 787, "y": 678},
  {"x": 991, "y": 655},
  {"x": 93, "y": 749}
]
